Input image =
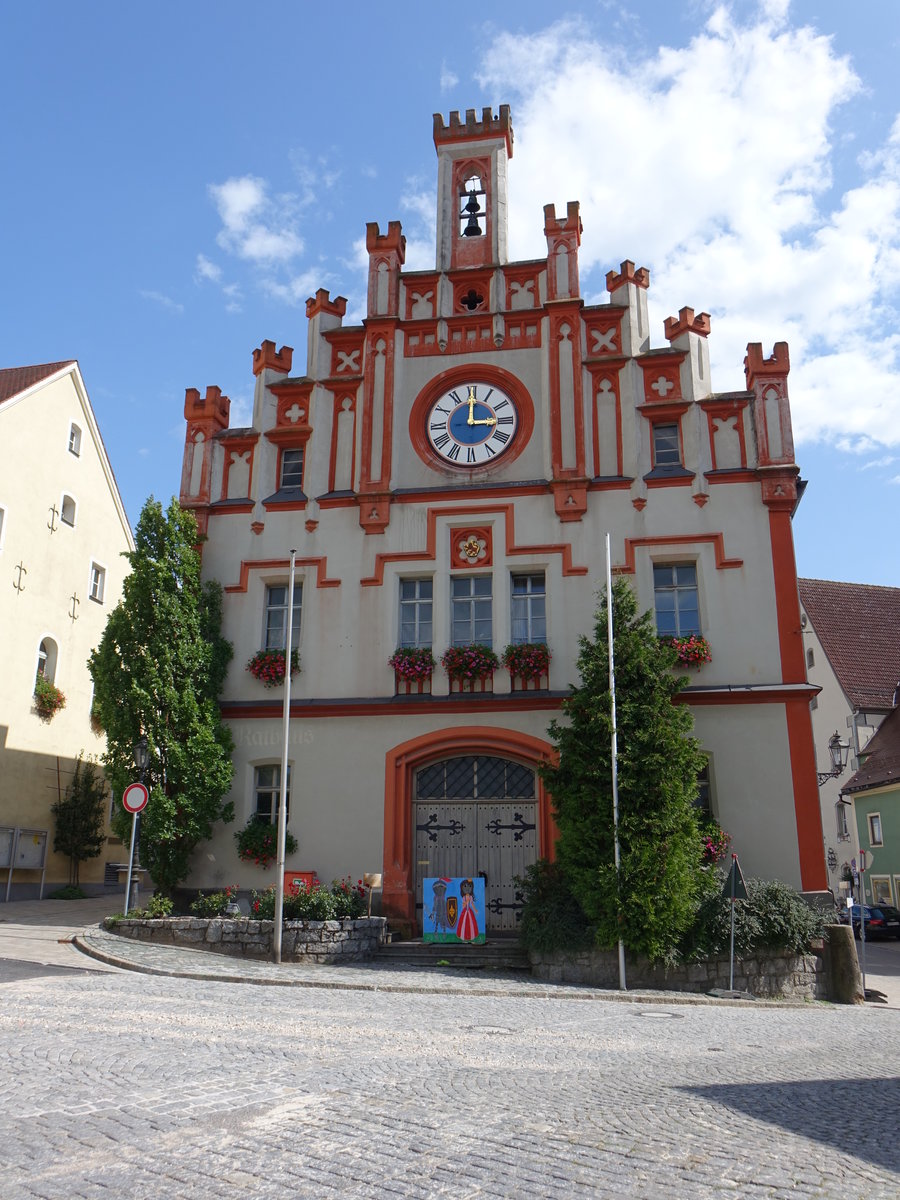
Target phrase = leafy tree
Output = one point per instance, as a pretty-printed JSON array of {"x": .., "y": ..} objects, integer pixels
[
  {"x": 81, "y": 817},
  {"x": 158, "y": 671},
  {"x": 660, "y": 882}
]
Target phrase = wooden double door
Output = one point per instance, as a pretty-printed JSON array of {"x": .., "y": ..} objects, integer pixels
[{"x": 477, "y": 815}]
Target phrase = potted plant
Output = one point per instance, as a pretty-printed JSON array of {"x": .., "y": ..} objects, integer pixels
[
  {"x": 692, "y": 651},
  {"x": 48, "y": 699},
  {"x": 257, "y": 842},
  {"x": 467, "y": 665},
  {"x": 412, "y": 663},
  {"x": 715, "y": 841},
  {"x": 268, "y": 666},
  {"x": 527, "y": 660}
]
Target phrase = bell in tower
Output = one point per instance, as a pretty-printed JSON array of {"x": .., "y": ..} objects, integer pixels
[
  {"x": 472, "y": 226},
  {"x": 472, "y": 174}
]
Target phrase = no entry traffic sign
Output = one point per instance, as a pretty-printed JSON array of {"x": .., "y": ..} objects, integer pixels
[{"x": 135, "y": 797}]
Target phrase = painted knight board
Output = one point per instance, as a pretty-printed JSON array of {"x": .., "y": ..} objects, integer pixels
[
  {"x": 453, "y": 910},
  {"x": 447, "y": 471}
]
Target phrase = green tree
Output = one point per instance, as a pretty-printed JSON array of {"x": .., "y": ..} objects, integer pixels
[
  {"x": 660, "y": 880},
  {"x": 158, "y": 671},
  {"x": 81, "y": 817}
]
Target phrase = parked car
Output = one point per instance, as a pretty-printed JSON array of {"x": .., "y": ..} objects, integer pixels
[{"x": 881, "y": 921}]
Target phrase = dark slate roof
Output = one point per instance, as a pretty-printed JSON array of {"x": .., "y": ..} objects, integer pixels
[
  {"x": 881, "y": 760},
  {"x": 858, "y": 625},
  {"x": 14, "y": 380}
]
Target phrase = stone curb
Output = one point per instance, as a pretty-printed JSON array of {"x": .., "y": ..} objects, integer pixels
[{"x": 547, "y": 991}]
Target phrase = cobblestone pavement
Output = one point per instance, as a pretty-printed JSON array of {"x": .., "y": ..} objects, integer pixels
[{"x": 161, "y": 1088}]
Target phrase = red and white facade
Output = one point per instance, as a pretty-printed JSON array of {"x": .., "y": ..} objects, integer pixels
[{"x": 384, "y": 466}]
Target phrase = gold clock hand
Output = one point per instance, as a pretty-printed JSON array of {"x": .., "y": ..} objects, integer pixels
[
  {"x": 471, "y": 403},
  {"x": 486, "y": 421}
]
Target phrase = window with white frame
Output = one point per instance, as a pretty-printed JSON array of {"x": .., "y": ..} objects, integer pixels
[
  {"x": 529, "y": 608},
  {"x": 74, "y": 439},
  {"x": 666, "y": 445},
  {"x": 703, "y": 799},
  {"x": 276, "y": 615},
  {"x": 416, "y": 603},
  {"x": 843, "y": 821},
  {"x": 67, "y": 510},
  {"x": 881, "y": 889},
  {"x": 97, "y": 588},
  {"x": 267, "y": 792},
  {"x": 46, "y": 663},
  {"x": 471, "y": 610},
  {"x": 676, "y": 599},
  {"x": 291, "y": 469},
  {"x": 876, "y": 837}
]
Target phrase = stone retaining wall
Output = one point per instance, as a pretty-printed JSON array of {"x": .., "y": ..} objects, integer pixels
[
  {"x": 301, "y": 941},
  {"x": 790, "y": 977}
]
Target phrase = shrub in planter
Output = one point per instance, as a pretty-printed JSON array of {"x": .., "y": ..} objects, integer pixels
[
  {"x": 308, "y": 904},
  {"x": 552, "y": 919},
  {"x": 773, "y": 917},
  {"x": 413, "y": 663},
  {"x": 349, "y": 898},
  {"x": 527, "y": 660},
  {"x": 268, "y": 666},
  {"x": 469, "y": 662},
  {"x": 257, "y": 842},
  {"x": 214, "y": 903},
  {"x": 48, "y": 699}
]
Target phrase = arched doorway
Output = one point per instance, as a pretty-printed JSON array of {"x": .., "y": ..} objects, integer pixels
[{"x": 462, "y": 801}]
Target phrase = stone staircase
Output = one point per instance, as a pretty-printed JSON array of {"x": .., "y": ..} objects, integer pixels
[{"x": 499, "y": 954}]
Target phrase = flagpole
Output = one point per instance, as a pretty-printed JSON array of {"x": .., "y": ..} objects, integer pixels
[
  {"x": 615, "y": 758},
  {"x": 282, "y": 803}
]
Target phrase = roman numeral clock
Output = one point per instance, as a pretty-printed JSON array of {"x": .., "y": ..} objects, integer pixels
[{"x": 472, "y": 424}]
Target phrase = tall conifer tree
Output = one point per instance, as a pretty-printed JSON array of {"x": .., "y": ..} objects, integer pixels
[
  {"x": 158, "y": 671},
  {"x": 656, "y": 895}
]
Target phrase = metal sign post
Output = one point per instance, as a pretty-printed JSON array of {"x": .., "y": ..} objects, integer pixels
[
  {"x": 735, "y": 889},
  {"x": 134, "y": 800}
]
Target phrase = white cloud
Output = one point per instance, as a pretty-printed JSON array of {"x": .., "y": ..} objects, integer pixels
[
  {"x": 886, "y": 460},
  {"x": 449, "y": 79},
  {"x": 255, "y": 226},
  {"x": 207, "y": 270},
  {"x": 298, "y": 288},
  {"x": 711, "y": 164},
  {"x": 164, "y": 301}
]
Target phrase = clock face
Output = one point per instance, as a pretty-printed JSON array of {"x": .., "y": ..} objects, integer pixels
[{"x": 472, "y": 424}]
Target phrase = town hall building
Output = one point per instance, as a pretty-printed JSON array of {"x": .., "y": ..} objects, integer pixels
[{"x": 447, "y": 472}]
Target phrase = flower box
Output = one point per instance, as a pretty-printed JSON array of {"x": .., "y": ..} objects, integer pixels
[
  {"x": 413, "y": 668},
  {"x": 470, "y": 668},
  {"x": 48, "y": 699},
  {"x": 692, "y": 651},
  {"x": 528, "y": 664},
  {"x": 257, "y": 842},
  {"x": 268, "y": 666}
]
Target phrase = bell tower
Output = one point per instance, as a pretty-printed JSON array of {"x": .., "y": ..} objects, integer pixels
[{"x": 472, "y": 179}]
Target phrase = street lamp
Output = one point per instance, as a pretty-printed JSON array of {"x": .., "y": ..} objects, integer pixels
[
  {"x": 142, "y": 755},
  {"x": 839, "y": 752}
]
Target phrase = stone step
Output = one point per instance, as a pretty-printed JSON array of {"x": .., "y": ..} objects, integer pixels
[{"x": 500, "y": 955}]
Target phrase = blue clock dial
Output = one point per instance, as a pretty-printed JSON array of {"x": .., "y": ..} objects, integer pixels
[{"x": 472, "y": 424}]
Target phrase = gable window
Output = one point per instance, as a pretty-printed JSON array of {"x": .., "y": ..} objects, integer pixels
[
  {"x": 471, "y": 610},
  {"x": 74, "y": 440},
  {"x": 529, "y": 608},
  {"x": 67, "y": 510},
  {"x": 676, "y": 600},
  {"x": 876, "y": 837},
  {"x": 276, "y": 615},
  {"x": 46, "y": 664},
  {"x": 415, "y": 612},
  {"x": 98, "y": 583},
  {"x": 291, "y": 469},
  {"x": 267, "y": 792},
  {"x": 666, "y": 445},
  {"x": 843, "y": 824}
]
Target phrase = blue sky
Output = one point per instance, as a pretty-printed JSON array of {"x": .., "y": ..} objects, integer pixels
[{"x": 178, "y": 179}]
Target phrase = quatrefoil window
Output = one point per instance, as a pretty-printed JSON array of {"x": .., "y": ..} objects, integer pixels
[{"x": 471, "y": 300}]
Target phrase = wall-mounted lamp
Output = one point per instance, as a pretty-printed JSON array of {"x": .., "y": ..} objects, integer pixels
[{"x": 839, "y": 752}]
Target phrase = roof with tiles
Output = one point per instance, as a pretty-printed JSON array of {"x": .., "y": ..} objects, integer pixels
[
  {"x": 858, "y": 625},
  {"x": 14, "y": 380},
  {"x": 881, "y": 761}
]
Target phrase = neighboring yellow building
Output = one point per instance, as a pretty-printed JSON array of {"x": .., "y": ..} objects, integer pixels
[{"x": 63, "y": 532}]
